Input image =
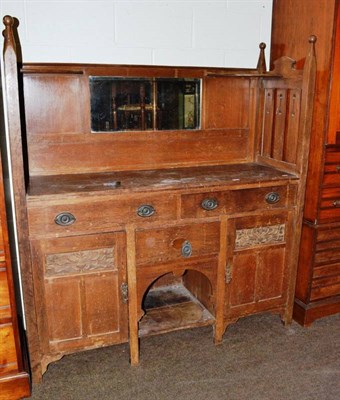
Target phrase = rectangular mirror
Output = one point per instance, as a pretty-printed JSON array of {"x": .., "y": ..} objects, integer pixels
[{"x": 126, "y": 104}]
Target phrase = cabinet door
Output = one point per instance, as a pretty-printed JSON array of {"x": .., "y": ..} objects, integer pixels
[
  {"x": 78, "y": 282},
  {"x": 257, "y": 267}
]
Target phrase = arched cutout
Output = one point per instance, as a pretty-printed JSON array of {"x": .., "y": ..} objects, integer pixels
[{"x": 172, "y": 303}]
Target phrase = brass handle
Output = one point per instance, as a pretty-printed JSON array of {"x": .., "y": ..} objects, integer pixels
[
  {"x": 209, "y": 204},
  {"x": 145, "y": 210},
  {"x": 186, "y": 249},
  {"x": 336, "y": 203},
  {"x": 337, "y": 169},
  {"x": 65, "y": 219},
  {"x": 272, "y": 197}
]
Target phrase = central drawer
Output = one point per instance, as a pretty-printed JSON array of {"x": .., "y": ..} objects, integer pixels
[
  {"x": 233, "y": 201},
  {"x": 177, "y": 242}
]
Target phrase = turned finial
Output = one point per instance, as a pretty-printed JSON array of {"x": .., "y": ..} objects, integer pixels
[
  {"x": 261, "y": 64},
  {"x": 8, "y": 31},
  {"x": 312, "y": 40}
]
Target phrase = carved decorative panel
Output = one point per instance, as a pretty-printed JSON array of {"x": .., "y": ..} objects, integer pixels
[
  {"x": 262, "y": 235},
  {"x": 79, "y": 262}
]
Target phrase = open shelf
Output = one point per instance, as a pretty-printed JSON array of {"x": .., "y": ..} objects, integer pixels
[{"x": 171, "y": 308}]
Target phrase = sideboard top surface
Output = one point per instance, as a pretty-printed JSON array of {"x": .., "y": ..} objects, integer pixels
[{"x": 164, "y": 179}]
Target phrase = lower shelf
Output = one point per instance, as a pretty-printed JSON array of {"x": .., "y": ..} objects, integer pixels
[{"x": 172, "y": 308}]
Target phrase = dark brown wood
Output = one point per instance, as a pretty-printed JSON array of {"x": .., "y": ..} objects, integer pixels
[
  {"x": 288, "y": 36},
  {"x": 261, "y": 64},
  {"x": 316, "y": 291},
  {"x": 183, "y": 228},
  {"x": 334, "y": 101},
  {"x": 14, "y": 374}
]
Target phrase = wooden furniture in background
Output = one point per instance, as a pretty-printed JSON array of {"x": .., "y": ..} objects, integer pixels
[
  {"x": 14, "y": 377},
  {"x": 318, "y": 278},
  {"x": 142, "y": 232}
]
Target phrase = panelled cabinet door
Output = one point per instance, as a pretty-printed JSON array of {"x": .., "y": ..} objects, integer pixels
[
  {"x": 256, "y": 273},
  {"x": 79, "y": 293}
]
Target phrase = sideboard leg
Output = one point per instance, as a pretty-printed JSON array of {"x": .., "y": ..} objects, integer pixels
[
  {"x": 132, "y": 286},
  {"x": 220, "y": 286}
]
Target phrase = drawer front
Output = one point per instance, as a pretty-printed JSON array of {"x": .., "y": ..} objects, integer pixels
[
  {"x": 327, "y": 252},
  {"x": 326, "y": 271},
  {"x": 5, "y": 302},
  {"x": 325, "y": 287},
  {"x": 98, "y": 215},
  {"x": 331, "y": 174},
  {"x": 332, "y": 167},
  {"x": 8, "y": 355},
  {"x": 178, "y": 242},
  {"x": 233, "y": 201},
  {"x": 330, "y": 204},
  {"x": 332, "y": 155}
]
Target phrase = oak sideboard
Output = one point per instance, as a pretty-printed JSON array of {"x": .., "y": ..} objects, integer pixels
[{"x": 155, "y": 198}]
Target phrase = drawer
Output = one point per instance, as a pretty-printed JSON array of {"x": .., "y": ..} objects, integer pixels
[
  {"x": 327, "y": 233},
  {"x": 5, "y": 302},
  {"x": 325, "y": 287},
  {"x": 331, "y": 175},
  {"x": 8, "y": 355},
  {"x": 330, "y": 204},
  {"x": 328, "y": 270},
  {"x": 332, "y": 167},
  {"x": 327, "y": 252},
  {"x": 233, "y": 201},
  {"x": 177, "y": 242},
  {"x": 332, "y": 155},
  {"x": 98, "y": 215}
]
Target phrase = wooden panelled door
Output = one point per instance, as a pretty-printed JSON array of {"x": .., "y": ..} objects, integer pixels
[
  {"x": 80, "y": 291},
  {"x": 256, "y": 271}
]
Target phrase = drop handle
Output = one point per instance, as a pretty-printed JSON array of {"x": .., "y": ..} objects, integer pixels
[
  {"x": 186, "y": 249},
  {"x": 145, "y": 210},
  {"x": 272, "y": 197},
  {"x": 65, "y": 219},
  {"x": 336, "y": 203},
  {"x": 209, "y": 204}
]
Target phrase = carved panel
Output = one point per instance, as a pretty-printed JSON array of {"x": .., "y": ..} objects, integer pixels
[
  {"x": 262, "y": 235},
  {"x": 80, "y": 262}
]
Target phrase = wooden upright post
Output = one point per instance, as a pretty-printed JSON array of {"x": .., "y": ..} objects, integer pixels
[{"x": 11, "y": 94}]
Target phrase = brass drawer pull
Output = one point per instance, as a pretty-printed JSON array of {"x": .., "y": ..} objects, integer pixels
[
  {"x": 272, "y": 197},
  {"x": 209, "y": 204},
  {"x": 336, "y": 203},
  {"x": 65, "y": 219},
  {"x": 145, "y": 210},
  {"x": 337, "y": 169},
  {"x": 186, "y": 249}
]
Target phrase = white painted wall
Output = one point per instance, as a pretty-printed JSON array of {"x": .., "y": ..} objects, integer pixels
[{"x": 160, "y": 32}]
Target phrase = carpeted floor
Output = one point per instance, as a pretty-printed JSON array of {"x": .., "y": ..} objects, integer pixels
[{"x": 259, "y": 359}]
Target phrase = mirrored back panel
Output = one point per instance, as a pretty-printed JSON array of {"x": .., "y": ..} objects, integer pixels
[{"x": 136, "y": 104}]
